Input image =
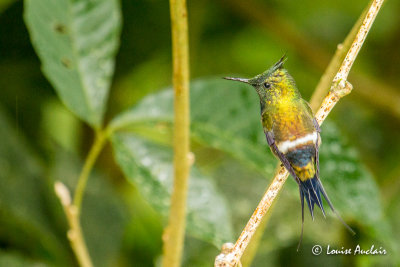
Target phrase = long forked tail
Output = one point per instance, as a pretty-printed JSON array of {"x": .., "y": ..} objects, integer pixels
[{"x": 311, "y": 191}]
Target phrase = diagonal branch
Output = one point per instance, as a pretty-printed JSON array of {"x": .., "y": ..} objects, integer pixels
[
  {"x": 340, "y": 87},
  {"x": 74, "y": 234},
  {"x": 326, "y": 79},
  {"x": 386, "y": 98}
]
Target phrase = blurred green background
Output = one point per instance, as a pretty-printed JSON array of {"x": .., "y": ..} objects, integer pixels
[{"x": 126, "y": 202}]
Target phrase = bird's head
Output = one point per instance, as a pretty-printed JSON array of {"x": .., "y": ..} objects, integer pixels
[{"x": 273, "y": 83}]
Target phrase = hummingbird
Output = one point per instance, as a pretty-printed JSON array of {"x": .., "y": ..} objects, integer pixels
[{"x": 292, "y": 133}]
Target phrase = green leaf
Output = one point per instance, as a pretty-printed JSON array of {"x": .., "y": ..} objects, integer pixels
[
  {"x": 349, "y": 184},
  {"x": 233, "y": 127},
  {"x": 76, "y": 41},
  {"x": 225, "y": 116},
  {"x": 149, "y": 166}
]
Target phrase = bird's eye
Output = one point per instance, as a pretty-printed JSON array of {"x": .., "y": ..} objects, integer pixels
[{"x": 267, "y": 85}]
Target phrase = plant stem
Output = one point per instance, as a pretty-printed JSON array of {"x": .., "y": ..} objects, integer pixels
[
  {"x": 325, "y": 82},
  {"x": 233, "y": 257},
  {"x": 339, "y": 88},
  {"x": 73, "y": 210},
  {"x": 87, "y": 167},
  {"x": 173, "y": 236},
  {"x": 351, "y": 55},
  {"x": 252, "y": 248},
  {"x": 386, "y": 98},
  {"x": 265, "y": 16},
  {"x": 74, "y": 234}
]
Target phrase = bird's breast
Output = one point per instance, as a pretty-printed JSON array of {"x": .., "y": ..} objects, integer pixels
[{"x": 292, "y": 126}]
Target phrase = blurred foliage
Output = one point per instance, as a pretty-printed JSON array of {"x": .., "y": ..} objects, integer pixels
[
  {"x": 150, "y": 167},
  {"x": 77, "y": 50},
  {"x": 126, "y": 200}
]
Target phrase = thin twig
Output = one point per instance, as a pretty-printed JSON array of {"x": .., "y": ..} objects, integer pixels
[
  {"x": 265, "y": 16},
  {"x": 233, "y": 257},
  {"x": 252, "y": 247},
  {"x": 340, "y": 88},
  {"x": 94, "y": 152},
  {"x": 325, "y": 82},
  {"x": 74, "y": 234},
  {"x": 173, "y": 236},
  {"x": 73, "y": 210},
  {"x": 358, "y": 41},
  {"x": 386, "y": 98}
]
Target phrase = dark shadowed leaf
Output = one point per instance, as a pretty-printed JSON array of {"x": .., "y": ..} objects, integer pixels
[
  {"x": 24, "y": 215},
  {"x": 31, "y": 217},
  {"x": 76, "y": 42}
]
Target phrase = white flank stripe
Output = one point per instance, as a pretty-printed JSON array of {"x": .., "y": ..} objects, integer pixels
[{"x": 286, "y": 145}]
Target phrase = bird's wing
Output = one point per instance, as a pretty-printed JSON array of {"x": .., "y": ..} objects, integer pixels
[
  {"x": 318, "y": 130},
  {"x": 271, "y": 142},
  {"x": 308, "y": 108},
  {"x": 316, "y": 126}
]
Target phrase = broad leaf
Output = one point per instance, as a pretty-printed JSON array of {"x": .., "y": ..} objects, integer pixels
[
  {"x": 233, "y": 127},
  {"x": 348, "y": 182},
  {"x": 149, "y": 166},
  {"x": 76, "y": 41},
  {"x": 225, "y": 116}
]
